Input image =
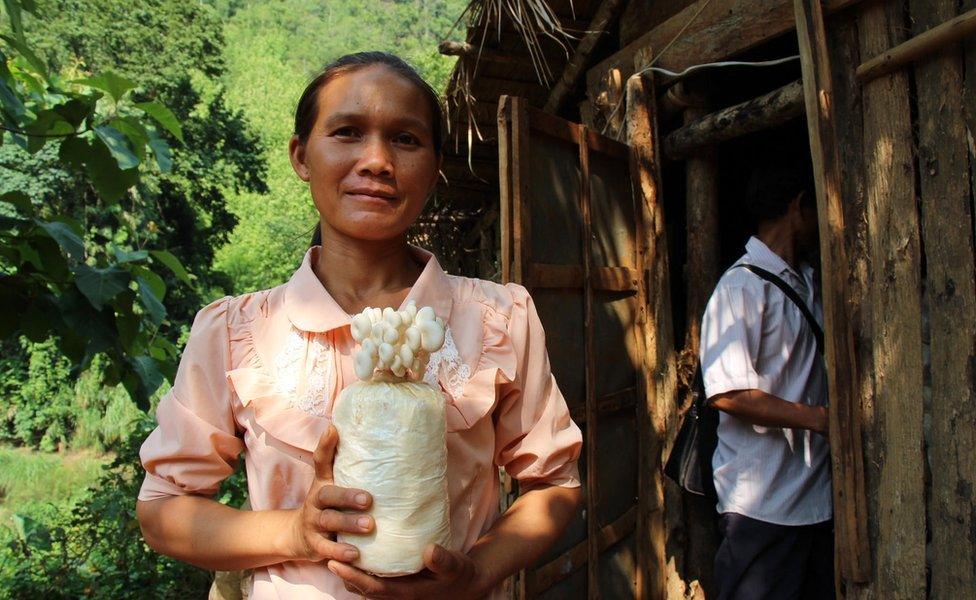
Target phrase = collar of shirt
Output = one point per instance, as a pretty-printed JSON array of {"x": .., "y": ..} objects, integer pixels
[
  {"x": 310, "y": 307},
  {"x": 759, "y": 254}
]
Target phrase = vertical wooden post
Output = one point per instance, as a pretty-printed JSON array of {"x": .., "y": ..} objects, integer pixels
[
  {"x": 701, "y": 275},
  {"x": 592, "y": 493},
  {"x": 506, "y": 186},
  {"x": 951, "y": 291},
  {"x": 660, "y": 369},
  {"x": 893, "y": 412},
  {"x": 850, "y": 506}
]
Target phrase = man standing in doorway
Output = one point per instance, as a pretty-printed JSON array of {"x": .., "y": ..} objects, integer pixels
[{"x": 764, "y": 371}]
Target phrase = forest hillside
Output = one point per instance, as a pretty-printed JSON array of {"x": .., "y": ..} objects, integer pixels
[{"x": 143, "y": 173}]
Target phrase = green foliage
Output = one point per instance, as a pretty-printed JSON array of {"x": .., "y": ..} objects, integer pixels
[
  {"x": 93, "y": 547},
  {"x": 47, "y": 409},
  {"x": 51, "y": 281}
]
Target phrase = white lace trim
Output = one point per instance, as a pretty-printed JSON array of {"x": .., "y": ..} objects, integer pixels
[
  {"x": 446, "y": 367},
  {"x": 305, "y": 356}
]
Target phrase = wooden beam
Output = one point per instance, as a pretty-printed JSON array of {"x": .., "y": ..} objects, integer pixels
[
  {"x": 950, "y": 284},
  {"x": 592, "y": 422},
  {"x": 850, "y": 512},
  {"x": 659, "y": 373},
  {"x": 563, "y": 566},
  {"x": 605, "y": 15},
  {"x": 767, "y": 111},
  {"x": 621, "y": 400},
  {"x": 927, "y": 43},
  {"x": 893, "y": 410},
  {"x": 613, "y": 279},
  {"x": 701, "y": 273},
  {"x": 724, "y": 29}
]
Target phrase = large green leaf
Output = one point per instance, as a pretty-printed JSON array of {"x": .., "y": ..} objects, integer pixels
[
  {"x": 155, "y": 282},
  {"x": 151, "y": 302},
  {"x": 164, "y": 156},
  {"x": 20, "y": 200},
  {"x": 65, "y": 236},
  {"x": 33, "y": 533},
  {"x": 123, "y": 256},
  {"x": 117, "y": 144},
  {"x": 35, "y": 63},
  {"x": 133, "y": 131},
  {"x": 10, "y": 102},
  {"x": 149, "y": 378},
  {"x": 100, "y": 285},
  {"x": 115, "y": 85},
  {"x": 163, "y": 116},
  {"x": 173, "y": 263}
]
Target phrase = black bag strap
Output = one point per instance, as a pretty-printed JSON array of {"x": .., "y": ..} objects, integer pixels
[{"x": 792, "y": 295}]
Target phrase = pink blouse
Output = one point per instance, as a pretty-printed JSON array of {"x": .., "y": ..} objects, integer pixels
[{"x": 261, "y": 371}]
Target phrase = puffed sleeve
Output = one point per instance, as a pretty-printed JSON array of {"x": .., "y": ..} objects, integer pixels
[
  {"x": 730, "y": 338},
  {"x": 195, "y": 446},
  {"x": 535, "y": 438}
]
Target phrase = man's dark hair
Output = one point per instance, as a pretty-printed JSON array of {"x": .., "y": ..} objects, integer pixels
[{"x": 775, "y": 183}]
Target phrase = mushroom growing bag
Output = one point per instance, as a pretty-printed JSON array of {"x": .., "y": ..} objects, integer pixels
[{"x": 392, "y": 440}]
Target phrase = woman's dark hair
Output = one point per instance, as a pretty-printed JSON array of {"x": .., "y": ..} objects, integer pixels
[
  {"x": 307, "y": 110},
  {"x": 775, "y": 184}
]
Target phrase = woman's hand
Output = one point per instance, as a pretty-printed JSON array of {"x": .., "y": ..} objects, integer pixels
[
  {"x": 320, "y": 516},
  {"x": 448, "y": 575}
]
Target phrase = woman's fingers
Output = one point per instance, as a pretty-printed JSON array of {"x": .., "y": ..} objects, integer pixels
[
  {"x": 327, "y": 549},
  {"x": 332, "y": 496},
  {"x": 325, "y": 454},
  {"x": 335, "y": 521}
]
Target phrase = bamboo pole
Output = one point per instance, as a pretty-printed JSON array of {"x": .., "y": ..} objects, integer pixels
[{"x": 919, "y": 47}]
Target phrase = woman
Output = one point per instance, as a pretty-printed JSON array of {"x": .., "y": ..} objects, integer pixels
[{"x": 261, "y": 371}]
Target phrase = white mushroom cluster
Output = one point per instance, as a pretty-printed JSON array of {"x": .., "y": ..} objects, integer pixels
[{"x": 397, "y": 341}]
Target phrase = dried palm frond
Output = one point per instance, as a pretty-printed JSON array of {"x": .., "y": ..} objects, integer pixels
[{"x": 534, "y": 20}]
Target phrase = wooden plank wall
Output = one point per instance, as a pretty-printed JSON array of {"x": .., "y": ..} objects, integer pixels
[{"x": 947, "y": 237}]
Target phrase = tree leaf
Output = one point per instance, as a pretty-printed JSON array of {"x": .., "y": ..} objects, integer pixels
[
  {"x": 10, "y": 101},
  {"x": 123, "y": 256},
  {"x": 118, "y": 146},
  {"x": 148, "y": 372},
  {"x": 155, "y": 282},
  {"x": 33, "y": 533},
  {"x": 135, "y": 133},
  {"x": 115, "y": 85},
  {"x": 36, "y": 64},
  {"x": 20, "y": 200},
  {"x": 65, "y": 236},
  {"x": 100, "y": 285},
  {"x": 155, "y": 308},
  {"x": 164, "y": 116},
  {"x": 164, "y": 156},
  {"x": 174, "y": 265}
]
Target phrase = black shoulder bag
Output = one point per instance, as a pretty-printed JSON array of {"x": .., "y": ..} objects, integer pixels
[{"x": 690, "y": 462}]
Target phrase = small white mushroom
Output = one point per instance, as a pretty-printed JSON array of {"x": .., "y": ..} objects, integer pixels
[
  {"x": 406, "y": 354},
  {"x": 431, "y": 336},
  {"x": 415, "y": 366},
  {"x": 377, "y": 331},
  {"x": 412, "y": 335},
  {"x": 390, "y": 335},
  {"x": 364, "y": 365},
  {"x": 361, "y": 327},
  {"x": 398, "y": 367},
  {"x": 369, "y": 347},
  {"x": 375, "y": 315},
  {"x": 411, "y": 308},
  {"x": 386, "y": 354},
  {"x": 425, "y": 314}
]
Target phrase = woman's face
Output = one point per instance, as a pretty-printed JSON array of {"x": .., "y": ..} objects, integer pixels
[{"x": 369, "y": 159}]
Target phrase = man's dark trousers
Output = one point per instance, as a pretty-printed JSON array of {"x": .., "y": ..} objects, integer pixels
[{"x": 765, "y": 561}]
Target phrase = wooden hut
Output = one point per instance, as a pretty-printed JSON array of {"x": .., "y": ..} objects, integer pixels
[{"x": 614, "y": 198}]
